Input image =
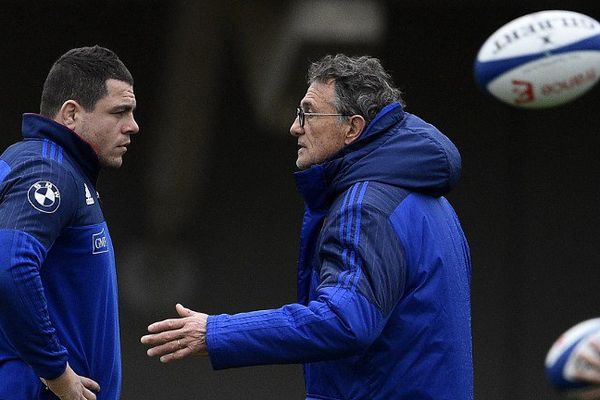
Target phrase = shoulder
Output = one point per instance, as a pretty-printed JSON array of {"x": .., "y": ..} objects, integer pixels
[
  {"x": 30, "y": 169},
  {"x": 371, "y": 196},
  {"x": 38, "y": 192},
  {"x": 37, "y": 158},
  {"x": 39, "y": 173},
  {"x": 33, "y": 148}
]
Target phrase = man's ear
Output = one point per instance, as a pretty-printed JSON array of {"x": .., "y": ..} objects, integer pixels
[
  {"x": 69, "y": 114},
  {"x": 356, "y": 128}
]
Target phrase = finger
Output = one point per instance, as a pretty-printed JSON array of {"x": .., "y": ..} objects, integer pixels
[
  {"x": 162, "y": 338},
  {"x": 178, "y": 355},
  {"x": 166, "y": 325},
  {"x": 90, "y": 384},
  {"x": 88, "y": 395},
  {"x": 150, "y": 339},
  {"x": 184, "y": 311},
  {"x": 166, "y": 348}
]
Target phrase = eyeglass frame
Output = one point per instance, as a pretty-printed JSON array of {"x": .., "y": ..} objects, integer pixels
[{"x": 301, "y": 115}]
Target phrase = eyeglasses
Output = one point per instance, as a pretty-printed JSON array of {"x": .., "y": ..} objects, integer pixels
[{"x": 301, "y": 115}]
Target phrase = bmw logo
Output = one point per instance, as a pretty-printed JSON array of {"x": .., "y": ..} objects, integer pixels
[{"x": 44, "y": 196}]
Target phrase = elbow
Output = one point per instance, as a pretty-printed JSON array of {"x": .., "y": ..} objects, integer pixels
[
  {"x": 359, "y": 340},
  {"x": 347, "y": 342},
  {"x": 353, "y": 326},
  {"x": 357, "y": 332}
]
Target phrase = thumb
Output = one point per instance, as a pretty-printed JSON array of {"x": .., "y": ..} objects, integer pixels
[{"x": 182, "y": 311}]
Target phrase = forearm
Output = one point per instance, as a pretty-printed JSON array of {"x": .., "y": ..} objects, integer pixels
[
  {"x": 335, "y": 327},
  {"x": 24, "y": 318}
]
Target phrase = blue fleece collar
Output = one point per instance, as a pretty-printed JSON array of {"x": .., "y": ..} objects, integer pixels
[{"x": 35, "y": 126}]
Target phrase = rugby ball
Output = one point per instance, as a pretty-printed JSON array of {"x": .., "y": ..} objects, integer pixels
[
  {"x": 561, "y": 364},
  {"x": 541, "y": 60}
]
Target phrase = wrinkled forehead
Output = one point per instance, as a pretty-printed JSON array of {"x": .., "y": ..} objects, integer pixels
[
  {"x": 120, "y": 91},
  {"x": 319, "y": 93}
]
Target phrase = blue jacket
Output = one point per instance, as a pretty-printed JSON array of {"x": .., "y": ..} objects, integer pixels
[
  {"x": 58, "y": 289},
  {"x": 383, "y": 279}
]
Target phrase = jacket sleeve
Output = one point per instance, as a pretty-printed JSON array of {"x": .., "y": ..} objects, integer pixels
[
  {"x": 36, "y": 202},
  {"x": 360, "y": 279}
]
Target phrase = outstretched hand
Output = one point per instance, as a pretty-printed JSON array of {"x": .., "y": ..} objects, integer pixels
[{"x": 177, "y": 338}]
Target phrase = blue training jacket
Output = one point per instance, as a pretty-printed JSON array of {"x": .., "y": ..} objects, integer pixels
[
  {"x": 384, "y": 276},
  {"x": 58, "y": 288}
]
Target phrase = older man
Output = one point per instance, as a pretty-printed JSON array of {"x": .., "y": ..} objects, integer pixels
[{"x": 383, "y": 307}]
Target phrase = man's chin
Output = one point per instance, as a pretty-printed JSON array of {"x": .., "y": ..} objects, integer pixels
[
  {"x": 113, "y": 163},
  {"x": 302, "y": 163}
]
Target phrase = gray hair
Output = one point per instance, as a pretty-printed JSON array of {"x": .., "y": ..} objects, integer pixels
[{"x": 362, "y": 86}]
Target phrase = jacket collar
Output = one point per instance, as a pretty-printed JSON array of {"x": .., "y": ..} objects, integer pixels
[
  {"x": 313, "y": 185},
  {"x": 35, "y": 126}
]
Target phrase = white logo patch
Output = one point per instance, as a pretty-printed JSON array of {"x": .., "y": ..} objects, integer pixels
[
  {"x": 89, "y": 200},
  {"x": 99, "y": 243},
  {"x": 44, "y": 196}
]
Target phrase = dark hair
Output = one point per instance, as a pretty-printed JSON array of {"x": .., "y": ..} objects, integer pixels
[
  {"x": 81, "y": 74},
  {"x": 362, "y": 86}
]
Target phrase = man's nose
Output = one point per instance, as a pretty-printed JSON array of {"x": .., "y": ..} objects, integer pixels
[
  {"x": 296, "y": 130},
  {"x": 131, "y": 128}
]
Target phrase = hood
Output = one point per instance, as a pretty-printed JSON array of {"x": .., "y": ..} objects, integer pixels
[{"x": 397, "y": 148}]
